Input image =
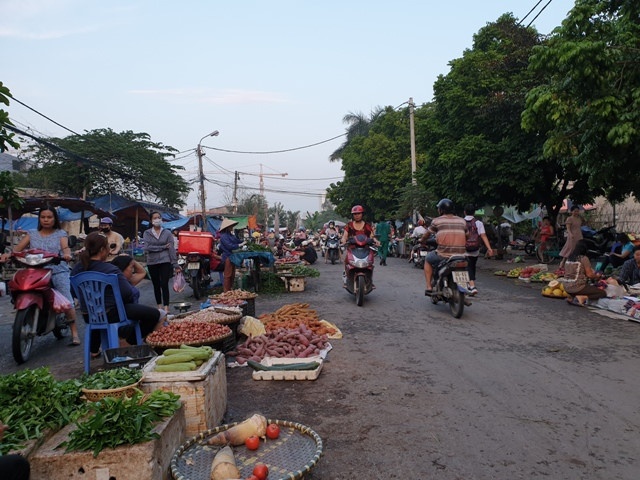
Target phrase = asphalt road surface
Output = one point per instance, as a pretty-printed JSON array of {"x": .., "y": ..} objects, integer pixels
[{"x": 521, "y": 386}]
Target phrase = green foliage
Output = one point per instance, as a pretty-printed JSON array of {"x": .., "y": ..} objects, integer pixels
[
  {"x": 103, "y": 161},
  {"x": 6, "y": 137},
  {"x": 9, "y": 195},
  {"x": 589, "y": 107},
  {"x": 377, "y": 164}
]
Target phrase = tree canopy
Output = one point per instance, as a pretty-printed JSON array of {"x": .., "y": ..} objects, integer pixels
[
  {"x": 589, "y": 108},
  {"x": 6, "y": 137},
  {"x": 103, "y": 161}
]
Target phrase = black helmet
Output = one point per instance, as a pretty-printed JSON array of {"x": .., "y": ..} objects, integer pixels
[{"x": 445, "y": 206}]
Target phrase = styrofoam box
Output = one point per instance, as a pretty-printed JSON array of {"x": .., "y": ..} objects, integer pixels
[
  {"x": 195, "y": 242},
  {"x": 288, "y": 374}
]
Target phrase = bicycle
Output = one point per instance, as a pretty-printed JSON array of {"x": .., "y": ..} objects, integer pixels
[{"x": 551, "y": 251}]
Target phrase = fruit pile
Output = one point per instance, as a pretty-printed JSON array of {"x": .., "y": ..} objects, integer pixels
[
  {"x": 554, "y": 289},
  {"x": 528, "y": 272}
]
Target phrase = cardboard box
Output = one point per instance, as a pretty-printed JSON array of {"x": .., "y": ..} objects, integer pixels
[
  {"x": 144, "y": 461},
  {"x": 195, "y": 242},
  {"x": 203, "y": 391}
]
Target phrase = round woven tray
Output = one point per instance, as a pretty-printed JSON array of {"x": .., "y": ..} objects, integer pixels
[
  {"x": 207, "y": 341},
  {"x": 221, "y": 317},
  {"x": 553, "y": 296},
  {"x": 290, "y": 457},
  {"x": 96, "y": 395}
]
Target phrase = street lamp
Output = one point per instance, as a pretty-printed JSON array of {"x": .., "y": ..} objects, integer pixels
[{"x": 215, "y": 133}]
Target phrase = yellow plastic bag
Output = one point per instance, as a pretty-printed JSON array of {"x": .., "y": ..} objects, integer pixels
[{"x": 251, "y": 327}]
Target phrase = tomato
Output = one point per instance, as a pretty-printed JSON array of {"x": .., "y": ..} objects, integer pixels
[
  {"x": 273, "y": 431},
  {"x": 252, "y": 443},
  {"x": 261, "y": 471}
]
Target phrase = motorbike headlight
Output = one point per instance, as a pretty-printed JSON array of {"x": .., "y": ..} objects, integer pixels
[{"x": 359, "y": 263}]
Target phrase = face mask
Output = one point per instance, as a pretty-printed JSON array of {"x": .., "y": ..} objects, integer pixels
[
  {"x": 157, "y": 222},
  {"x": 105, "y": 230}
]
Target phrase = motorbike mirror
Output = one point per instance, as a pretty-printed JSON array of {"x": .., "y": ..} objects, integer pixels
[{"x": 73, "y": 241}]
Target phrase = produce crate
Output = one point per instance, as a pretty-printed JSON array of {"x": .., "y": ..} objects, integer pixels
[
  {"x": 133, "y": 356},
  {"x": 203, "y": 391},
  {"x": 294, "y": 284},
  {"x": 144, "y": 461},
  {"x": 287, "y": 374},
  {"x": 195, "y": 242}
]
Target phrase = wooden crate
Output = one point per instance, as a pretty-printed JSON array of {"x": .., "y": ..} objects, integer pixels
[
  {"x": 203, "y": 391},
  {"x": 144, "y": 461},
  {"x": 294, "y": 284}
]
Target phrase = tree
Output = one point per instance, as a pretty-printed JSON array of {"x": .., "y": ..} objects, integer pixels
[
  {"x": 103, "y": 161},
  {"x": 6, "y": 138},
  {"x": 9, "y": 197},
  {"x": 477, "y": 151},
  {"x": 588, "y": 110},
  {"x": 359, "y": 125},
  {"x": 376, "y": 165}
]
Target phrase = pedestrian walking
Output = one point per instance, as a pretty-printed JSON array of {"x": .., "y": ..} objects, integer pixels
[
  {"x": 383, "y": 234},
  {"x": 162, "y": 259},
  {"x": 477, "y": 235}
]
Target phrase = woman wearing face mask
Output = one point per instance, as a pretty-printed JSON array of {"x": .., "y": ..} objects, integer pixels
[{"x": 162, "y": 259}]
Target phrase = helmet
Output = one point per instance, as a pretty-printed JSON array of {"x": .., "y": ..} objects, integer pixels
[
  {"x": 357, "y": 209},
  {"x": 445, "y": 205}
]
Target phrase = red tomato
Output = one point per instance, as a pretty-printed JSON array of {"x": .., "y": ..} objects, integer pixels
[
  {"x": 252, "y": 443},
  {"x": 261, "y": 471},
  {"x": 273, "y": 431}
]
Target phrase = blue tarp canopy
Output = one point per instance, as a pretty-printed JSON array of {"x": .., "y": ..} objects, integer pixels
[{"x": 123, "y": 207}]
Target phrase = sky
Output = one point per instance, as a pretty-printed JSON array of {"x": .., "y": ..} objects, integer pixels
[{"x": 273, "y": 77}]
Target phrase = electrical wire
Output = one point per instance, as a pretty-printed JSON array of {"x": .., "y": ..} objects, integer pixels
[
  {"x": 529, "y": 12},
  {"x": 277, "y": 151},
  {"x": 43, "y": 115},
  {"x": 542, "y": 10}
]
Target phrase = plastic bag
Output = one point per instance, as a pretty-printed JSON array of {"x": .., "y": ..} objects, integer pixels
[
  {"x": 179, "y": 283},
  {"x": 60, "y": 302}
]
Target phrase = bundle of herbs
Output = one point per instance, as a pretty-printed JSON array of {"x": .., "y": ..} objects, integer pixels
[
  {"x": 121, "y": 421},
  {"x": 32, "y": 401}
]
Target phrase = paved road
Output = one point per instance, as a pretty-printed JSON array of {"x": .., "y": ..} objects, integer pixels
[{"x": 520, "y": 387}]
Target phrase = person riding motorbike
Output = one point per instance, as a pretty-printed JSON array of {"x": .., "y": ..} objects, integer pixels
[
  {"x": 356, "y": 226},
  {"x": 332, "y": 230},
  {"x": 451, "y": 235}
]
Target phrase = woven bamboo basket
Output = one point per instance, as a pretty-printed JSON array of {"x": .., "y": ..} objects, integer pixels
[
  {"x": 222, "y": 317},
  {"x": 290, "y": 457},
  {"x": 96, "y": 395}
]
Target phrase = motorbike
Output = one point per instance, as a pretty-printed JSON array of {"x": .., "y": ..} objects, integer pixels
[
  {"x": 32, "y": 296},
  {"x": 419, "y": 251},
  {"x": 197, "y": 272},
  {"x": 449, "y": 282},
  {"x": 394, "y": 248},
  {"x": 333, "y": 248},
  {"x": 599, "y": 242},
  {"x": 358, "y": 274}
]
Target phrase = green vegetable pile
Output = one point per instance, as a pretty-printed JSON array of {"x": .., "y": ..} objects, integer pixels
[
  {"x": 256, "y": 247},
  {"x": 109, "y": 379},
  {"x": 121, "y": 421},
  {"x": 271, "y": 284},
  {"x": 304, "y": 271},
  {"x": 32, "y": 401}
]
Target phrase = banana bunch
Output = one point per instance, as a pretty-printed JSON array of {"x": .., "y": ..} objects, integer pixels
[{"x": 183, "y": 359}]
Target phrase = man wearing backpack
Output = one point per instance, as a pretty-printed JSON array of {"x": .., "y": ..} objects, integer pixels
[{"x": 477, "y": 236}]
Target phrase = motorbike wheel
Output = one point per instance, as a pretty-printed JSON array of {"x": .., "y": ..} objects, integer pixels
[
  {"x": 333, "y": 256},
  {"x": 530, "y": 248},
  {"x": 456, "y": 302},
  {"x": 360, "y": 291},
  {"x": 24, "y": 329},
  {"x": 61, "y": 328}
]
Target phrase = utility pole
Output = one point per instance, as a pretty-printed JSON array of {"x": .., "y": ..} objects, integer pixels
[
  {"x": 235, "y": 192},
  {"x": 203, "y": 195},
  {"x": 412, "y": 133},
  {"x": 201, "y": 179}
]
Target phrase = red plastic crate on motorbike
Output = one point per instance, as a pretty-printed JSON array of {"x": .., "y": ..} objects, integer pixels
[{"x": 195, "y": 242}]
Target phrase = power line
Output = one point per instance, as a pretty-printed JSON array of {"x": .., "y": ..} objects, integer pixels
[
  {"x": 529, "y": 12},
  {"x": 278, "y": 151},
  {"x": 542, "y": 10},
  {"x": 43, "y": 115}
]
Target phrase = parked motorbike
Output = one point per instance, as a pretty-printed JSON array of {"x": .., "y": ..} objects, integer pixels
[
  {"x": 449, "y": 282},
  {"x": 599, "y": 242},
  {"x": 333, "y": 248},
  {"x": 358, "y": 275},
  {"x": 197, "y": 272},
  {"x": 32, "y": 296}
]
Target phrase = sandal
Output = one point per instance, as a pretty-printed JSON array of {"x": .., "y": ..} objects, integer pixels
[
  {"x": 96, "y": 355},
  {"x": 75, "y": 341}
]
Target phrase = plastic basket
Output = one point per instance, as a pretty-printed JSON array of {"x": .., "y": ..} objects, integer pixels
[{"x": 133, "y": 356}]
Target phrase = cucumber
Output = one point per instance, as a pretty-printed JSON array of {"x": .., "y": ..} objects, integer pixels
[
  {"x": 177, "y": 358},
  {"x": 283, "y": 366},
  {"x": 176, "y": 367}
]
